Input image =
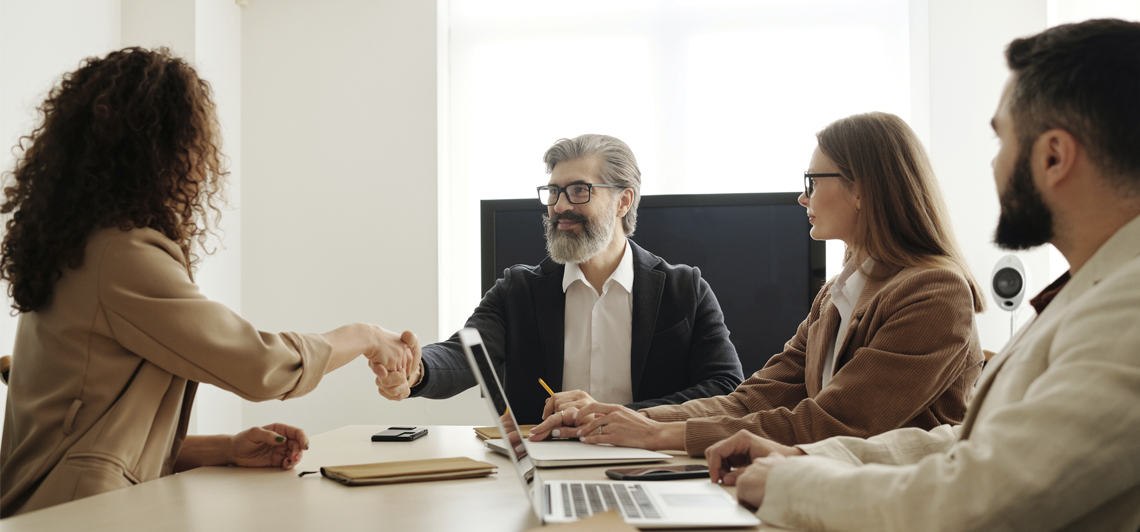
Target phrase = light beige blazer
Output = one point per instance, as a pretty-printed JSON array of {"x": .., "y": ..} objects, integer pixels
[
  {"x": 103, "y": 378},
  {"x": 1051, "y": 440}
]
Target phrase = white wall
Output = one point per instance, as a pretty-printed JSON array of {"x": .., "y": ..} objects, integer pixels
[
  {"x": 966, "y": 70},
  {"x": 151, "y": 24},
  {"x": 1065, "y": 11},
  {"x": 217, "y": 56},
  {"x": 339, "y": 164}
]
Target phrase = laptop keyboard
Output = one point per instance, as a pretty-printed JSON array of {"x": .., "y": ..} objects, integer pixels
[{"x": 583, "y": 499}]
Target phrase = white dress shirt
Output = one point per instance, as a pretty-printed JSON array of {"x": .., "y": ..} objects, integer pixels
[
  {"x": 844, "y": 294},
  {"x": 598, "y": 333}
]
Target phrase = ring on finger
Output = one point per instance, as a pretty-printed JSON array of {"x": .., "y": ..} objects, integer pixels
[{"x": 599, "y": 430}]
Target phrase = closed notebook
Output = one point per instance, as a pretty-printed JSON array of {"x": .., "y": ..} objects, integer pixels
[
  {"x": 408, "y": 471},
  {"x": 492, "y": 433}
]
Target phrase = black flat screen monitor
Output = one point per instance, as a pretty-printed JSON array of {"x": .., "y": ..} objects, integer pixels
[{"x": 753, "y": 249}]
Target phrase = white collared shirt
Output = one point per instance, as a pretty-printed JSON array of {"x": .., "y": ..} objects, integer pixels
[
  {"x": 599, "y": 332},
  {"x": 844, "y": 295}
]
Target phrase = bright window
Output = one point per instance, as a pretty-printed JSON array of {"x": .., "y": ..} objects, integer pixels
[{"x": 712, "y": 96}]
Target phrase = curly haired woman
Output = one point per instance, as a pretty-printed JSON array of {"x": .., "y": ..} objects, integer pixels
[{"x": 111, "y": 196}]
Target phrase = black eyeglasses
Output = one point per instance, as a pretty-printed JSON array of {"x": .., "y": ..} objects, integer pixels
[
  {"x": 809, "y": 185},
  {"x": 577, "y": 193}
]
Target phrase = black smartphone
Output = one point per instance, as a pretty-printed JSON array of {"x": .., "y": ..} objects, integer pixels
[
  {"x": 400, "y": 434},
  {"x": 659, "y": 472}
]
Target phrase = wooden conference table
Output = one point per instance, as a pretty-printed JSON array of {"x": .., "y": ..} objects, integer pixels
[{"x": 233, "y": 498}]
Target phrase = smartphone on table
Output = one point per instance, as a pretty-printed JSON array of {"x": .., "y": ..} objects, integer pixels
[
  {"x": 660, "y": 472},
  {"x": 400, "y": 434}
]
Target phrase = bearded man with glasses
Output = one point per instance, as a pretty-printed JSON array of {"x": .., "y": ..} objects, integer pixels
[{"x": 600, "y": 319}]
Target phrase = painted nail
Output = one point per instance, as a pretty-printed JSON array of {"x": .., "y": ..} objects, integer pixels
[
  {"x": 581, "y": 439},
  {"x": 306, "y": 446},
  {"x": 296, "y": 457},
  {"x": 575, "y": 415},
  {"x": 579, "y": 433},
  {"x": 280, "y": 439},
  {"x": 556, "y": 433}
]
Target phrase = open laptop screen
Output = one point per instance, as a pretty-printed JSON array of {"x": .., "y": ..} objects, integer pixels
[{"x": 497, "y": 402}]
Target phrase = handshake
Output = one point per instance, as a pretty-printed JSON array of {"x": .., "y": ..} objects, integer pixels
[{"x": 396, "y": 362}]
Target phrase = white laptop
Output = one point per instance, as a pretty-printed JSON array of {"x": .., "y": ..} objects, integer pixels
[
  {"x": 672, "y": 504},
  {"x": 573, "y": 453}
]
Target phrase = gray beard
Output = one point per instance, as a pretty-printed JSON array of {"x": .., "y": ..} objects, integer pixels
[{"x": 568, "y": 247}]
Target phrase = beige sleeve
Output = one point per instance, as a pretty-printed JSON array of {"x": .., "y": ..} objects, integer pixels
[
  {"x": 1059, "y": 455},
  {"x": 154, "y": 310},
  {"x": 897, "y": 447}
]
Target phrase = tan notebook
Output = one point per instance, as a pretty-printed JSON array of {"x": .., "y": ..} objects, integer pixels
[
  {"x": 492, "y": 433},
  {"x": 408, "y": 471}
]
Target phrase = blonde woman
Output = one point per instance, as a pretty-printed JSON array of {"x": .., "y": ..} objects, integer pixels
[{"x": 891, "y": 342}]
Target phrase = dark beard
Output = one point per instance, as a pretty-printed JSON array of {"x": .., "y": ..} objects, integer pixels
[{"x": 1025, "y": 222}]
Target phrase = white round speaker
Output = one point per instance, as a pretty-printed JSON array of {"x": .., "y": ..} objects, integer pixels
[{"x": 1008, "y": 282}]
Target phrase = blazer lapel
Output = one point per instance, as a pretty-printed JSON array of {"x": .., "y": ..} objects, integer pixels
[
  {"x": 879, "y": 276},
  {"x": 819, "y": 340},
  {"x": 989, "y": 374},
  {"x": 648, "y": 285},
  {"x": 550, "y": 315}
]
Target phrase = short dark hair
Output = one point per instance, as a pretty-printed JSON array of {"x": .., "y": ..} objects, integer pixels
[{"x": 1085, "y": 79}]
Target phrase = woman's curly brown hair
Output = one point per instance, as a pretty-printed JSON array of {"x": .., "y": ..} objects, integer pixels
[{"x": 129, "y": 141}]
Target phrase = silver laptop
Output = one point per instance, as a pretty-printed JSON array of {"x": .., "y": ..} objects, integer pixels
[
  {"x": 574, "y": 453},
  {"x": 675, "y": 504}
]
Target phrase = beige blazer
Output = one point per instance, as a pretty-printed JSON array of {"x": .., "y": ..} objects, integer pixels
[
  {"x": 893, "y": 369},
  {"x": 1051, "y": 440},
  {"x": 103, "y": 377}
]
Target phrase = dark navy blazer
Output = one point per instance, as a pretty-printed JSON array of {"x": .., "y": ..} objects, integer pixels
[{"x": 679, "y": 350}]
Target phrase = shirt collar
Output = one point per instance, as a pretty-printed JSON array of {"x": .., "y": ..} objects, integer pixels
[
  {"x": 622, "y": 275},
  {"x": 1042, "y": 300},
  {"x": 1120, "y": 248},
  {"x": 839, "y": 287}
]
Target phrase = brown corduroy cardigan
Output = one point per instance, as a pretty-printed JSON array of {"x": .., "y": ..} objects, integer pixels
[{"x": 910, "y": 358}]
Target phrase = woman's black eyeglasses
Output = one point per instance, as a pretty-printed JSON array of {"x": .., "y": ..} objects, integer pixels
[{"x": 809, "y": 185}]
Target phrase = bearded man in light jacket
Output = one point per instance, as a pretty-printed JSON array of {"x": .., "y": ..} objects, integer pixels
[{"x": 1051, "y": 440}]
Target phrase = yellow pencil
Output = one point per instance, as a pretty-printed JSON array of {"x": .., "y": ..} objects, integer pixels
[{"x": 548, "y": 390}]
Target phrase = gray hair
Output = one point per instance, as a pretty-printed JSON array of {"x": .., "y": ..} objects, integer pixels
[{"x": 619, "y": 166}]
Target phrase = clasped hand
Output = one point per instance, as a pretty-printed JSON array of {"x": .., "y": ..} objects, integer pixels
[
  {"x": 620, "y": 426},
  {"x": 560, "y": 414},
  {"x": 397, "y": 365}
]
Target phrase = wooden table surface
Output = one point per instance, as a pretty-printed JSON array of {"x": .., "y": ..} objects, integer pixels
[{"x": 233, "y": 498}]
